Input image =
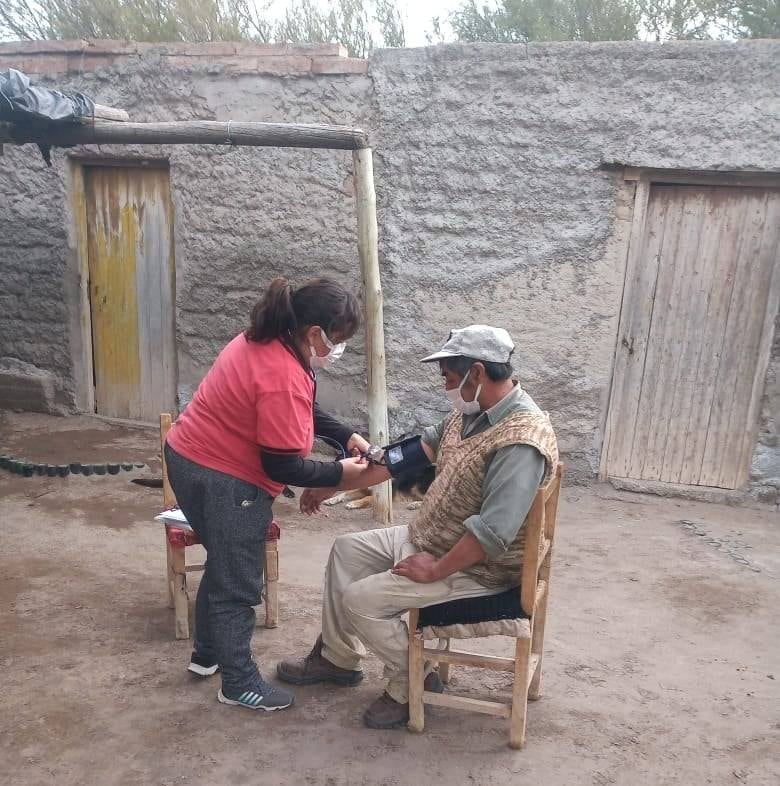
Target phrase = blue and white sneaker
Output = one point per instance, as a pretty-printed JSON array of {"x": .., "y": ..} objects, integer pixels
[
  {"x": 201, "y": 666},
  {"x": 264, "y": 696}
]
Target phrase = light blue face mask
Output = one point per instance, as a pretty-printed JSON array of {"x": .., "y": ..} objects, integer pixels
[
  {"x": 456, "y": 399},
  {"x": 335, "y": 351}
]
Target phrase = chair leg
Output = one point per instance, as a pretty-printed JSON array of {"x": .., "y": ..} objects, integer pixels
[
  {"x": 416, "y": 675},
  {"x": 537, "y": 648},
  {"x": 271, "y": 584},
  {"x": 169, "y": 570},
  {"x": 181, "y": 600},
  {"x": 520, "y": 694},
  {"x": 444, "y": 668}
]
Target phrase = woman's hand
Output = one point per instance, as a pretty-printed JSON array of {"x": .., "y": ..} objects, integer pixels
[
  {"x": 357, "y": 445},
  {"x": 422, "y": 568},
  {"x": 311, "y": 499},
  {"x": 353, "y": 470},
  {"x": 352, "y": 473},
  {"x": 361, "y": 474}
]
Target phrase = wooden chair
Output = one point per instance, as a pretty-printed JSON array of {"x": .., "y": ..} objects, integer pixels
[
  {"x": 178, "y": 538},
  {"x": 463, "y": 621}
]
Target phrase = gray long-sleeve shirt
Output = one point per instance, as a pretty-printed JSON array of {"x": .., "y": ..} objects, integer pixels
[{"x": 512, "y": 476}]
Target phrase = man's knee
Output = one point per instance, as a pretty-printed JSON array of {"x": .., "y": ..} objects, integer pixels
[
  {"x": 374, "y": 596},
  {"x": 343, "y": 546}
]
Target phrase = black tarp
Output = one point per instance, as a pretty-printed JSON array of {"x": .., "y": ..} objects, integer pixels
[
  {"x": 21, "y": 102},
  {"x": 28, "y": 107}
]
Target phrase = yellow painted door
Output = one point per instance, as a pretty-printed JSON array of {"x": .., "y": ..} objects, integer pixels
[
  {"x": 701, "y": 296},
  {"x": 131, "y": 288}
]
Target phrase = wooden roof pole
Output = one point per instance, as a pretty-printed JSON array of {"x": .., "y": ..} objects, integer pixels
[{"x": 189, "y": 132}]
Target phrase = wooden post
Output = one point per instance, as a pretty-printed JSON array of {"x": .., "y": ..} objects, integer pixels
[{"x": 375, "y": 329}]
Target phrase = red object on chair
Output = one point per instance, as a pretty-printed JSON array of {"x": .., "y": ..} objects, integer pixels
[
  {"x": 180, "y": 537},
  {"x": 274, "y": 532}
]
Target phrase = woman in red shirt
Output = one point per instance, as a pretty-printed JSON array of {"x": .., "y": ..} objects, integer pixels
[{"x": 244, "y": 436}]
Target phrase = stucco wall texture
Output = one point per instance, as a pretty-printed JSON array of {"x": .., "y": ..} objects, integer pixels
[{"x": 496, "y": 203}]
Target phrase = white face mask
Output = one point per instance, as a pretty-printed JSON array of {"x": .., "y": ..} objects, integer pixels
[
  {"x": 322, "y": 361},
  {"x": 456, "y": 399}
]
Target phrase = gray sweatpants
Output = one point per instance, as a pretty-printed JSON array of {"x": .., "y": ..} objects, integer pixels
[{"x": 231, "y": 518}]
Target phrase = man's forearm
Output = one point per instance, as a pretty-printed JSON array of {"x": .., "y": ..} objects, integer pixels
[
  {"x": 370, "y": 476},
  {"x": 465, "y": 553},
  {"x": 375, "y": 474}
]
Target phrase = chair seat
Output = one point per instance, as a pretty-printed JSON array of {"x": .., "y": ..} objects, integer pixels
[{"x": 500, "y": 614}]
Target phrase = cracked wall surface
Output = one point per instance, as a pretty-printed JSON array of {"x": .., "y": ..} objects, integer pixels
[{"x": 495, "y": 204}]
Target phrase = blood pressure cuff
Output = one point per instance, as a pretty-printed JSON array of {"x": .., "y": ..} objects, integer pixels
[{"x": 406, "y": 456}]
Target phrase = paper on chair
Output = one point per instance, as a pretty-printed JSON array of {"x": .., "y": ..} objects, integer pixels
[{"x": 174, "y": 516}]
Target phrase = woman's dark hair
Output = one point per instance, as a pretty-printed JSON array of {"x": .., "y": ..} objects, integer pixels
[
  {"x": 283, "y": 311},
  {"x": 496, "y": 372}
]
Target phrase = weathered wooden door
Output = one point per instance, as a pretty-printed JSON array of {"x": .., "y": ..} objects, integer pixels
[
  {"x": 695, "y": 331},
  {"x": 131, "y": 290}
]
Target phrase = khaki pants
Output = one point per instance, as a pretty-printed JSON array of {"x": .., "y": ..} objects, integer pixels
[{"x": 364, "y": 603}]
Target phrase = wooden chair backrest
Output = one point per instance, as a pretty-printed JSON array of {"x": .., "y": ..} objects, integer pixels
[
  {"x": 169, "y": 498},
  {"x": 539, "y": 537}
]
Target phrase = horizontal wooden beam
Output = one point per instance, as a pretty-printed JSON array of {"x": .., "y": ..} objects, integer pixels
[
  {"x": 744, "y": 177},
  {"x": 470, "y": 659},
  {"x": 190, "y": 132},
  {"x": 464, "y": 703}
]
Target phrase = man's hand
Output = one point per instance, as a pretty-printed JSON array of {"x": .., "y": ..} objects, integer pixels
[
  {"x": 311, "y": 499},
  {"x": 422, "y": 568},
  {"x": 357, "y": 445}
]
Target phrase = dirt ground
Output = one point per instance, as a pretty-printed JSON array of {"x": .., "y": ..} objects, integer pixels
[{"x": 662, "y": 661}]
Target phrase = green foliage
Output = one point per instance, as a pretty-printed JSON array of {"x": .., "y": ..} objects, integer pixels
[
  {"x": 756, "y": 19},
  {"x": 547, "y": 20},
  {"x": 358, "y": 24},
  {"x": 509, "y": 21}
]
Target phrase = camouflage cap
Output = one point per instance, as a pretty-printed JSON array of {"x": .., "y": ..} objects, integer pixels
[{"x": 481, "y": 342}]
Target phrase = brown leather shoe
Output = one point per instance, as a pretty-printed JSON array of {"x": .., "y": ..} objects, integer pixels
[
  {"x": 387, "y": 713},
  {"x": 314, "y": 668}
]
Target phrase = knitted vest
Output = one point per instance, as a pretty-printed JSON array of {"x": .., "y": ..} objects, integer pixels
[{"x": 456, "y": 493}]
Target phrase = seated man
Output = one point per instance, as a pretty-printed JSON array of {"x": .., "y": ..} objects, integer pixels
[{"x": 492, "y": 454}]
